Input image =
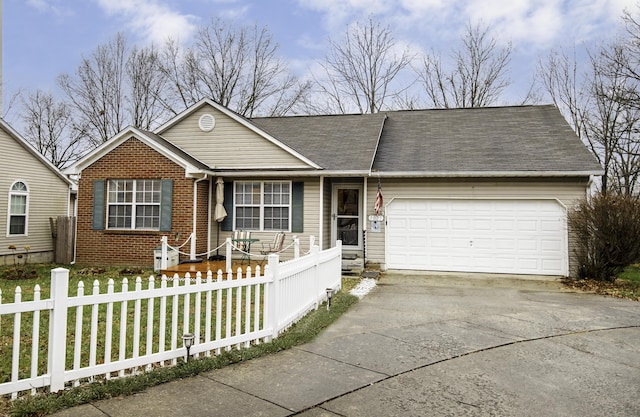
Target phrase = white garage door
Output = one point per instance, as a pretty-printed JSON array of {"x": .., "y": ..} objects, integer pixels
[{"x": 497, "y": 236}]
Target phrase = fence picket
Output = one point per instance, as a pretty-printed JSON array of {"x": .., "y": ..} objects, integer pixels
[
  {"x": 93, "y": 349},
  {"x": 77, "y": 347},
  {"x": 249, "y": 308},
  {"x": 108, "y": 328},
  {"x": 198, "y": 310},
  {"x": 150, "y": 303},
  {"x": 16, "y": 342},
  {"x": 122, "y": 347},
  {"x": 35, "y": 338},
  {"x": 207, "y": 320},
  {"x": 174, "y": 318}
]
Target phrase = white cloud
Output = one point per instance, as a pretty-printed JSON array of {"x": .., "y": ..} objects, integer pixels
[
  {"x": 535, "y": 24},
  {"x": 152, "y": 20},
  {"x": 50, "y": 6}
]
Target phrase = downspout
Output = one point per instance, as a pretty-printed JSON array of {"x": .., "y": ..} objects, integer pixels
[
  {"x": 192, "y": 252},
  {"x": 209, "y": 219},
  {"x": 364, "y": 222},
  {"x": 321, "y": 222}
]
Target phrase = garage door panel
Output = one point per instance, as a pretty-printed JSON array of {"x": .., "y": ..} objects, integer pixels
[{"x": 502, "y": 236}]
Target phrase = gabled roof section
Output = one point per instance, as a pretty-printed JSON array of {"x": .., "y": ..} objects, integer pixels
[
  {"x": 493, "y": 141},
  {"x": 154, "y": 141},
  {"x": 336, "y": 142},
  {"x": 33, "y": 151},
  {"x": 247, "y": 123}
]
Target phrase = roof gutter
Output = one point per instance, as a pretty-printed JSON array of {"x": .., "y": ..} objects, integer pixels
[{"x": 485, "y": 174}]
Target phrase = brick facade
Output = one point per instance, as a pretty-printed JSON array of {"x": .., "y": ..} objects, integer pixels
[{"x": 134, "y": 160}]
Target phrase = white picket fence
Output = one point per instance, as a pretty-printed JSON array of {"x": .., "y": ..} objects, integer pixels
[{"x": 222, "y": 311}]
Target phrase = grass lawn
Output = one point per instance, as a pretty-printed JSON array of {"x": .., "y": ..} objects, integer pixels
[{"x": 302, "y": 332}]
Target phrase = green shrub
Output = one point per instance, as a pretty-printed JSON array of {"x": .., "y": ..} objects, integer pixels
[{"x": 607, "y": 228}]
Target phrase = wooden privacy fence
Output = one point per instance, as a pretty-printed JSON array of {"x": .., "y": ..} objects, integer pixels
[
  {"x": 63, "y": 231},
  {"x": 65, "y": 340}
]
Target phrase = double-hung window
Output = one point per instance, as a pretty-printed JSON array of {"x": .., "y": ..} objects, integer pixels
[
  {"x": 133, "y": 204},
  {"x": 262, "y": 205},
  {"x": 18, "y": 198}
]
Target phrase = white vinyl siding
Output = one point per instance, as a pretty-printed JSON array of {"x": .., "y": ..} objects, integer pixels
[
  {"x": 48, "y": 196},
  {"x": 220, "y": 147}
]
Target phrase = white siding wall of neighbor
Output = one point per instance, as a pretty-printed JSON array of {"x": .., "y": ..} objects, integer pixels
[
  {"x": 565, "y": 193},
  {"x": 48, "y": 197},
  {"x": 229, "y": 145}
]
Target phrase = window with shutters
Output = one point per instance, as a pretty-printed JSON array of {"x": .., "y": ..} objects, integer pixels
[
  {"x": 18, "y": 209},
  {"x": 133, "y": 204},
  {"x": 262, "y": 205}
]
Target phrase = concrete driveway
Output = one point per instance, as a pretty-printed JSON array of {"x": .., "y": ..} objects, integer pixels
[{"x": 441, "y": 345}]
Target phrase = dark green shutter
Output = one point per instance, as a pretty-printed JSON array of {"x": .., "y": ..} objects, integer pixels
[
  {"x": 166, "y": 203},
  {"x": 297, "y": 207},
  {"x": 227, "y": 223},
  {"x": 98, "y": 205}
]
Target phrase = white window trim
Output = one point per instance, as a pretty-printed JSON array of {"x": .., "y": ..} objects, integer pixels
[
  {"x": 26, "y": 220},
  {"x": 134, "y": 204},
  {"x": 261, "y": 205}
]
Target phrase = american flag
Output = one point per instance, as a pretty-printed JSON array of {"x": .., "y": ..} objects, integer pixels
[{"x": 379, "y": 200}]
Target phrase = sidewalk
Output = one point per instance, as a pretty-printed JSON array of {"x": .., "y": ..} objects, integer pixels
[{"x": 431, "y": 345}]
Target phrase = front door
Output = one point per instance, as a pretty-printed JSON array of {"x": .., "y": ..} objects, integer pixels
[{"x": 347, "y": 223}]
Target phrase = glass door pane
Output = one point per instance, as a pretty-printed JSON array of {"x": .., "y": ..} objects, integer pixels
[{"x": 347, "y": 216}]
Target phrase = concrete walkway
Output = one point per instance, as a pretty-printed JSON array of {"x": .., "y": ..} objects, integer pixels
[{"x": 421, "y": 345}]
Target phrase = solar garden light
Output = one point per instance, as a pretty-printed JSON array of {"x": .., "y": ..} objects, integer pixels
[
  {"x": 187, "y": 338},
  {"x": 329, "y": 297}
]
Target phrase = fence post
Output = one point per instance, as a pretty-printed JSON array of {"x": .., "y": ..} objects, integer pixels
[
  {"x": 273, "y": 294},
  {"x": 228, "y": 255},
  {"x": 164, "y": 258},
  {"x": 296, "y": 247},
  {"x": 58, "y": 328}
]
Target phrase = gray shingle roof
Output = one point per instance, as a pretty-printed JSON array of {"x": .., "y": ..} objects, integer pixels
[
  {"x": 489, "y": 140},
  {"x": 485, "y": 140},
  {"x": 336, "y": 142}
]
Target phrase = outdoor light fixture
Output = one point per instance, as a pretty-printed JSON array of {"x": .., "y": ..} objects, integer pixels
[
  {"x": 187, "y": 338},
  {"x": 329, "y": 297}
]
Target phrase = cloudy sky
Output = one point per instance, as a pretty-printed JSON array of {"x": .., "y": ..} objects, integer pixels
[{"x": 44, "y": 38}]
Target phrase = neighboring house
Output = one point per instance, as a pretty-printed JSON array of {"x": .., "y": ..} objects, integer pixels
[
  {"x": 478, "y": 190},
  {"x": 32, "y": 191}
]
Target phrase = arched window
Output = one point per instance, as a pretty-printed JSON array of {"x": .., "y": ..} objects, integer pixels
[{"x": 18, "y": 198}]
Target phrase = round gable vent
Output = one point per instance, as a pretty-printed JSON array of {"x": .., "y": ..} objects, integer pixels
[{"x": 207, "y": 122}]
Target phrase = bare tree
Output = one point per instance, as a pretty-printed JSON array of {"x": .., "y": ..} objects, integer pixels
[
  {"x": 146, "y": 88},
  {"x": 599, "y": 105},
  {"x": 180, "y": 69},
  {"x": 96, "y": 91},
  {"x": 476, "y": 76},
  {"x": 613, "y": 119},
  {"x": 560, "y": 79},
  {"x": 51, "y": 130},
  {"x": 238, "y": 67},
  {"x": 359, "y": 71}
]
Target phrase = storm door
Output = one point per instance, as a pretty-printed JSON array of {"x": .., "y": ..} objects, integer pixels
[{"x": 347, "y": 222}]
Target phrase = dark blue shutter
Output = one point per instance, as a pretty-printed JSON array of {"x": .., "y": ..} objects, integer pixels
[
  {"x": 98, "y": 205},
  {"x": 166, "y": 203},
  {"x": 297, "y": 207},
  {"x": 227, "y": 223}
]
